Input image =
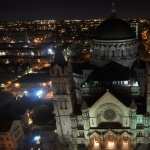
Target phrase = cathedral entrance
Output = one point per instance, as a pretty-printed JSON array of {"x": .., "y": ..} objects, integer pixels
[{"x": 110, "y": 141}]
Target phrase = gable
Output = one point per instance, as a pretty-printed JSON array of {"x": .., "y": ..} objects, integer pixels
[{"x": 108, "y": 100}]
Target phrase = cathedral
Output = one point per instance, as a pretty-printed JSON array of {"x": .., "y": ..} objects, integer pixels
[
  {"x": 103, "y": 104},
  {"x": 106, "y": 102}
]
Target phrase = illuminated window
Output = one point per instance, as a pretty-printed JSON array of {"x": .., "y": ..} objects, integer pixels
[{"x": 17, "y": 85}]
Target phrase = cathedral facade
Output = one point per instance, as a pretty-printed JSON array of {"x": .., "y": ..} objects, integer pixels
[{"x": 111, "y": 108}]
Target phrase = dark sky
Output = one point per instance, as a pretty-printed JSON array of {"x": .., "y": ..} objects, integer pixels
[{"x": 82, "y": 9}]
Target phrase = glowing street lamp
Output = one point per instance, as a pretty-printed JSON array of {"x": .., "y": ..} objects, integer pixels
[
  {"x": 50, "y": 51},
  {"x": 30, "y": 121},
  {"x": 37, "y": 139},
  {"x": 26, "y": 93},
  {"x": 17, "y": 85},
  {"x": 39, "y": 93}
]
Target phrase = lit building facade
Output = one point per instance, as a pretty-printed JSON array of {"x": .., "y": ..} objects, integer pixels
[{"x": 115, "y": 119}]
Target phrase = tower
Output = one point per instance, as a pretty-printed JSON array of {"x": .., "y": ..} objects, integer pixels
[{"x": 62, "y": 97}]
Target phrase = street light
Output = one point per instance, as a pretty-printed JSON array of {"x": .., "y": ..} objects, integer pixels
[
  {"x": 39, "y": 93},
  {"x": 50, "y": 51},
  {"x": 37, "y": 139}
]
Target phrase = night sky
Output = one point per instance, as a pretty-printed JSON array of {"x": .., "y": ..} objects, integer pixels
[{"x": 67, "y": 9}]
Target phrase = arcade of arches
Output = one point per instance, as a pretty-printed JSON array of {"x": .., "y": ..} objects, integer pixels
[{"x": 110, "y": 141}]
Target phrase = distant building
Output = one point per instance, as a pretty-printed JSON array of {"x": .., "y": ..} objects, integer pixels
[{"x": 11, "y": 134}]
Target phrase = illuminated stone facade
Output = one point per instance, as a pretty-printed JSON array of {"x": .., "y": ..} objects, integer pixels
[
  {"x": 120, "y": 51},
  {"x": 113, "y": 121},
  {"x": 108, "y": 116}
]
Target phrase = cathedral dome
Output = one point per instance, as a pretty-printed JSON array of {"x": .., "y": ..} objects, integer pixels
[{"x": 114, "y": 29}]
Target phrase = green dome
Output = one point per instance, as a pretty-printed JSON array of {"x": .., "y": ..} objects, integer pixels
[{"x": 114, "y": 29}]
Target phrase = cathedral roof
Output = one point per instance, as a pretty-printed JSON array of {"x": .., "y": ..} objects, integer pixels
[
  {"x": 110, "y": 72},
  {"x": 125, "y": 99},
  {"x": 114, "y": 29}
]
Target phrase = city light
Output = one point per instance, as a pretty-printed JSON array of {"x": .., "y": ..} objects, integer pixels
[
  {"x": 38, "y": 40},
  {"x": 44, "y": 84},
  {"x": 32, "y": 53},
  {"x": 30, "y": 71},
  {"x": 2, "y": 85},
  {"x": 39, "y": 93},
  {"x": 25, "y": 93},
  {"x": 50, "y": 95},
  {"x": 30, "y": 121},
  {"x": 37, "y": 139},
  {"x": 17, "y": 85},
  {"x": 9, "y": 82},
  {"x": 50, "y": 51},
  {"x": 50, "y": 83}
]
